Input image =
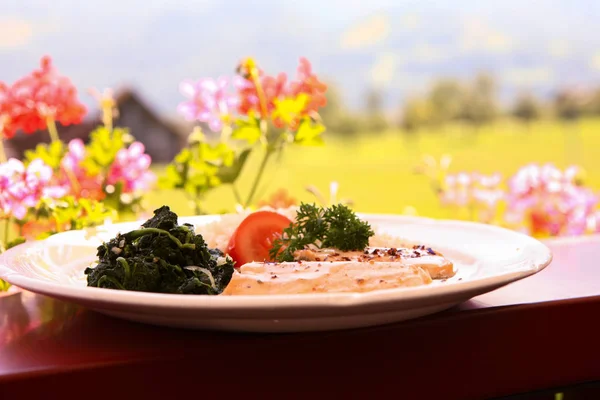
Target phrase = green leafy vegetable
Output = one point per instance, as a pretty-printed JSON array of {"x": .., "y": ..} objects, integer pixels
[
  {"x": 162, "y": 257},
  {"x": 332, "y": 227}
]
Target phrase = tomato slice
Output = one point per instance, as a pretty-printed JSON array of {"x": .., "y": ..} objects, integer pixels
[{"x": 254, "y": 237}]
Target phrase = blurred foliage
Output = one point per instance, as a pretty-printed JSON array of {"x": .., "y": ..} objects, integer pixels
[
  {"x": 479, "y": 105},
  {"x": 527, "y": 108},
  {"x": 445, "y": 101},
  {"x": 569, "y": 105},
  {"x": 473, "y": 102},
  {"x": 50, "y": 153},
  {"x": 417, "y": 113},
  {"x": 336, "y": 117},
  {"x": 340, "y": 120},
  {"x": 451, "y": 100},
  {"x": 375, "y": 112}
]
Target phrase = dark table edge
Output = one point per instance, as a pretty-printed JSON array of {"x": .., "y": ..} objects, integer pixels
[{"x": 470, "y": 317}]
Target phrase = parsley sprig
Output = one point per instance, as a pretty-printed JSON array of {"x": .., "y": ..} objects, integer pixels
[{"x": 325, "y": 227}]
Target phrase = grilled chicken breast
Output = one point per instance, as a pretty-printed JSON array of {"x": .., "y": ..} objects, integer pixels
[
  {"x": 330, "y": 270},
  {"x": 323, "y": 277}
]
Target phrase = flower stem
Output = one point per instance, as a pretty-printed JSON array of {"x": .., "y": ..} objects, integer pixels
[
  {"x": 225, "y": 133},
  {"x": 254, "y": 77},
  {"x": 51, "y": 124},
  {"x": 472, "y": 213},
  {"x": 236, "y": 193},
  {"x": 2, "y": 151},
  {"x": 107, "y": 117},
  {"x": 198, "y": 208},
  {"x": 75, "y": 187},
  {"x": 261, "y": 171},
  {"x": 6, "y": 230}
]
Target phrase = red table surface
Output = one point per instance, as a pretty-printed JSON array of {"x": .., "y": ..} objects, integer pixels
[{"x": 537, "y": 333}]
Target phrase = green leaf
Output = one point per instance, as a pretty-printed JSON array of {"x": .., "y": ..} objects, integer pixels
[
  {"x": 309, "y": 133},
  {"x": 51, "y": 154},
  {"x": 201, "y": 167},
  {"x": 248, "y": 130},
  {"x": 15, "y": 242},
  {"x": 197, "y": 136},
  {"x": 103, "y": 148},
  {"x": 77, "y": 213},
  {"x": 184, "y": 156},
  {"x": 229, "y": 174},
  {"x": 4, "y": 286},
  {"x": 92, "y": 213},
  {"x": 44, "y": 208},
  {"x": 44, "y": 235},
  {"x": 172, "y": 178},
  {"x": 218, "y": 155}
]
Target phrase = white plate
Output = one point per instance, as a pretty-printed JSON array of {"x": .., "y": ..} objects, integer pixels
[{"x": 487, "y": 258}]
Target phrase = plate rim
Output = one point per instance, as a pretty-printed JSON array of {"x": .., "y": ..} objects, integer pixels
[{"x": 540, "y": 258}]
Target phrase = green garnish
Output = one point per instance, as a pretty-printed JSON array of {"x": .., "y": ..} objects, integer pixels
[{"x": 333, "y": 227}]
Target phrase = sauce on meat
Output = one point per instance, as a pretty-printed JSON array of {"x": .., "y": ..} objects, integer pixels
[{"x": 433, "y": 262}]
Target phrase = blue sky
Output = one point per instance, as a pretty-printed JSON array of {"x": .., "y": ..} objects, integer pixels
[{"x": 399, "y": 46}]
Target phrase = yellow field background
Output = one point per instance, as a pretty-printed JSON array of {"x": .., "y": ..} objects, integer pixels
[{"x": 376, "y": 171}]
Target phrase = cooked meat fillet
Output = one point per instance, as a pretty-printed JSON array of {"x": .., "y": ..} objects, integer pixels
[{"x": 324, "y": 277}]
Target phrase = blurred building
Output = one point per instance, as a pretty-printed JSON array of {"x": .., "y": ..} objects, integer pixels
[{"x": 162, "y": 138}]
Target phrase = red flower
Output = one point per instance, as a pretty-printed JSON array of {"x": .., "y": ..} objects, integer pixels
[
  {"x": 32, "y": 229},
  {"x": 7, "y": 123},
  {"x": 45, "y": 94},
  {"x": 272, "y": 87},
  {"x": 278, "y": 88},
  {"x": 309, "y": 83}
]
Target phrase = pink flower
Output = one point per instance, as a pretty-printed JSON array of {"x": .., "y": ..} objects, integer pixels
[
  {"x": 594, "y": 223},
  {"x": 131, "y": 168},
  {"x": 479, "y": 193},
  {"x": 487, "y": 190},
  {"x": 73, "y": 175},
  {"x": 464, "y": 189},
  {"x": 209, "y": 102},
  {"x": 74, "y": 156},
  {"x": 22, "y": 187},
  {"x": 457, "y": 190},
  {"x": 550, "y": 202}
]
